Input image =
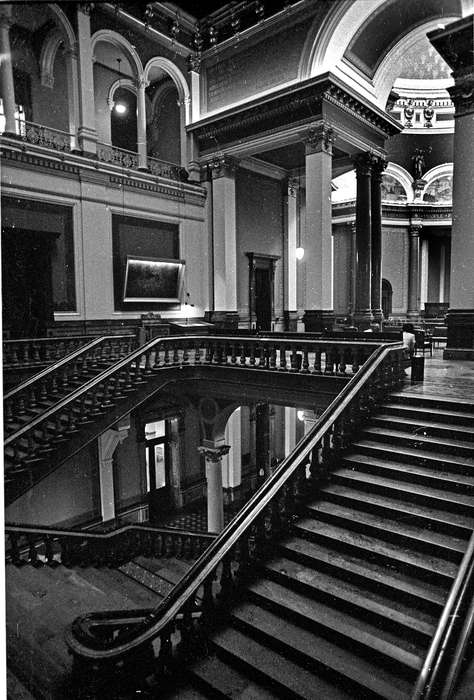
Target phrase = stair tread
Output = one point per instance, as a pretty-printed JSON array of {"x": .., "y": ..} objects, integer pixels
[
  {"x": 463, "y": 429},
  {"x": 374, "y": 544},
  {"x": 228, "y": 680},
  {"x": 389, "y": 525},
  {"x": 415, "y": 452},
  {"x": 441, "y": 442},
  {"x": 403, "y": 507},
  {"x": 422, "y": 490},
  {"x": 322, "y": 651},
  {"x": 297, "y": 680},
  {"x": 354, "y": 629},
  {"x": 364, "y": 598},
  {"x": 433, "y": 398},
  {"x": 377, "y": 573},
  {"x": 403, "y": 467}
]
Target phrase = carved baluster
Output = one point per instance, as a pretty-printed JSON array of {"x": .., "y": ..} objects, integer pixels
[
  {"x": 187, "y": 647},
  {"x": 243, "y": 358},
  {"x": 178, "y": 547},
  {"x": 33, "y": 554},
  {"x": 175, "y": 353},
  {"x": 127, "y": 384},
  {"x": 273, "y": 356},
  {"x": 53, "y": 389},
  {"x": 187, "y": 548},
  {"x": 49, "y": 552},
  {"x": 252, "y": 354},
  {"x": 168, "y": 546},
  {"x": 328, "y": 366},
  {"x": 15, "y": 554},
  {"x": 219, "y": 353},
  {"x": 165, "y": 657},
  {"x": 343, "y": 364},
  {"x": 20, "y": 405},
  {"x": 317, "y": 361},
  {"x": 36, "y": 353},
  {"x": 207, "y": 605},
  {"x": 305, "y": 363},
  {"x": 43, "y": 391},
  {"x": 166, "y": 359},
  {"x": 185, "y": 359},
  {"x": 158, "y": 546},
  {"x": 242, "y": 560},
  {"x": 32, "y": 403},
  {"x": 226, "y": 583},
  {"x": 283, "y": 358},
  {"x": 147, "y": 369},
  {"x": 300, "y": 488},
  {"x": 158, "y": 348}
]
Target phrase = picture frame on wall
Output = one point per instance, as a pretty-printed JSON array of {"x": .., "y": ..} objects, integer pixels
[{"x": 153, "y": 280}]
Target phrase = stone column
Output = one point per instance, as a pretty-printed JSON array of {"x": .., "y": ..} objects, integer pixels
[
  {"x": 378, "y": 166},
  {"x": 6, "y": 71},
  {"x": 290, "y": 261},
  {"x": 224, "y": 240},
  {"x": 141, "y": 124},
  {"x": 317, "y": 242},
  {"x": 177, "y": 459},
  {"x": 454, "y": 43},
  {"x": 425, "y": 252},
  {"x": 87, "y": 135},
  {"x": 363, "y": 258},
  {"x": 290, "y": 429},
  {"x": 215, "y": 498},
  {"x": 232, "y": 462},
  {"x": 194, "y": 63},
  {"x": 413, "y": 310},
  {"x": 107, "y": 444},
  {"x": 442, "y": 272}
]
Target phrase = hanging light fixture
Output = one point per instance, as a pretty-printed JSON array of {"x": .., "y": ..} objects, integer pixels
[
  {"x": 120, "y": 107},
  {"x": 299, "y": 252}
]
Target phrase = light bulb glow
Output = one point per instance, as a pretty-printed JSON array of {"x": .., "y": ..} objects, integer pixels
[
  {"x": 299, "y": 252},
  {"x": 120, "y": 108},
  {"x": 300, "y": 415}
]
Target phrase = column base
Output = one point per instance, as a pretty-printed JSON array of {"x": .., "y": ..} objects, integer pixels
[
  {"x": 225, "y": 320},
  {"x": 318, "y": 320},
  {"x": 460, "y": 324},
  {"x": 362, "y": 319},
  {"x": 413, "y": 316},
  {"x": 290, "y": 321},
  {"x": 377, "y": 315}
]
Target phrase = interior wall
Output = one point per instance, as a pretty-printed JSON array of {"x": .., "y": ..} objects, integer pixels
[
  {"x": 342, "y": 239},
  {"x": 259, "y": 230},
  {"x": 50, "y": 105},
  {"x": 67, "y": 497},
  {"x": 395, "y": 265},
  {"x": 129, "y": 471}
]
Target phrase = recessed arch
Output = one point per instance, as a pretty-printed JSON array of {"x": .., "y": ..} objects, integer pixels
[
  {"x": 48, "y": 54},
  {"x": 64, "y": 25},
  {"x": 110, "y": 37},
  {"x": 177, "y": 77},
  {"x": 403, "y": 177},
  {"x": 439, "y": 172}
]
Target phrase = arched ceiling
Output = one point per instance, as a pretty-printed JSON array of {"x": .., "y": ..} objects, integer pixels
[{"x": 388, "y": 24}]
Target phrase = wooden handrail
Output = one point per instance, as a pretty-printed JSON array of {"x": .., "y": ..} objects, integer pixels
[
  {"x": 89, "y": 647},
  {"x": 60, "y": 363},
  {"x": 445, "y": 638}
]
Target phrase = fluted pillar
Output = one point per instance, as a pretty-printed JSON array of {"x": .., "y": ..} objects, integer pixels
[
  {"x": 363, "y": 241},
  {"x": 6, "y": 71},
  {"x": 215, "y": 497},
  {"x": 87, "y": 134},
  {"x": 454, "y": 43},
  {"x": 290, "y": 261},
  {"x": 414, "y": 280},
  {"x": 378, "y": 166},
  {"x": 317, "y": 243},
  {"x": 141, "y": 124}
]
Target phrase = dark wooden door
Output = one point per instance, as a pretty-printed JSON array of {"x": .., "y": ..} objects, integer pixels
[
  {"x": 160, "y": 501},
  {"x": 263, "y": 299}
]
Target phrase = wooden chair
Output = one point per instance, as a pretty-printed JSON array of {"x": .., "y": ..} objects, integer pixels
[
  {"x": 440, "y": 335},
  {"x": 423, "y": 341}
]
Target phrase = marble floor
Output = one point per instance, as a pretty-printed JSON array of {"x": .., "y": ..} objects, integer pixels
[{"x": 445, "y": 378}]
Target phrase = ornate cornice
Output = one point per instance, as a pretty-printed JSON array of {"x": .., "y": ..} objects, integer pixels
[
  {"x": 31, "y": 159},
  {"x": 430, "y": 212},
  {"x": 462, "y": 93},
  {"x": 223, "y": 165},
  {"x": 297, "y": 105}
]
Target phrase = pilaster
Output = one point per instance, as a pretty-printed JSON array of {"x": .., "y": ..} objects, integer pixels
[
  {"x": 414, "y": 279},
  {"x": 141, "y": 124},
  {"x": 6, "y": 71},
  {"x": 87, "y": 135}
]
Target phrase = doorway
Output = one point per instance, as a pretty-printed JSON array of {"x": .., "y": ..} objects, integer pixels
[
  {"x": 157, "y": 460},
  {"x": 263, "y": 300},
  {"x": 27, "y": 282}
]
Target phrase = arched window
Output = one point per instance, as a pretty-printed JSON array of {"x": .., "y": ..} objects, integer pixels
[
  {"x": 164, "y": 127},
  {"x": 387, "y": 293},
  {"x": 123, "y": 119}
]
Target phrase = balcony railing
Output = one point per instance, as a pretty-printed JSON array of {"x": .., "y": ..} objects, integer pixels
[
  {"x": 163, "y": 168},
  {"x": 46, "y": 136},
  {"x": 117, "y": 156}
]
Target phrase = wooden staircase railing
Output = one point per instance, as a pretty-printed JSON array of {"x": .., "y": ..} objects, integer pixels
[
  {"x": 39, "y": 352},
  {"x": 28, "y": 448},
  {"x": 214, "y": 581},
  {"x": 49, "y": 546},
  {"x": 60, "y": 378}
]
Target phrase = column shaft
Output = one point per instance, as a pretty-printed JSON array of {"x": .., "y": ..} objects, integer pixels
[
  {"x": 6, "y": 72},
  {"x": 363, "y": 299},
  {"x": 376, "y": 239},
  {"x": 413, "y": 310},
  {"x": 87, "y": 135},
  {"x": 141, "y": 125}
]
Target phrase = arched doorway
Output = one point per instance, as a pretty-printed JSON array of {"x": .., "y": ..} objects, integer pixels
[{"x": 387, "y": 293}]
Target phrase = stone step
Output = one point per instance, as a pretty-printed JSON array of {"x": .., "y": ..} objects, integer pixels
[
  {"x": 462, "y": 448},
  {"x": 415, "y": 563},
  {"x": 389, "y": 530},
  {"x": 423, "y": 426},
  {"x": 436, "y": 520},
  {"x": 413, "y": 493},
  {"x": 435, "y": 477},
  {"x": 274, "y": 670},
  {"x": 349, "y": 631},
  {"x": 434, "y": 402},
  {"x": 353, "y": 597},
  {"x": 457, "y": 463},
  {"x": 385, "y": 580},
  {"x": 356, "y": 675},
  {"x": 444, "y": 415},
  {"x": 216, "y": 678}
]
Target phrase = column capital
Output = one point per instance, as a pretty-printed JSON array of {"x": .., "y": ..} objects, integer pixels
[
  {"x": 194, "y": 63},
  {"x": 319, "y": 139},
  {"x": 462, "y": 92},
  {"x": 293, "y": 186},
  {"x": 142, "y": 83},
  {"x": 85, "y": 7},
  {"x": 368, "y": 163},
  {"x": 213, "y": 454},
  {"x": 414, "y": 228},
  {"x": 223, "y": 165},
  {"x": 379, "y": 164}
]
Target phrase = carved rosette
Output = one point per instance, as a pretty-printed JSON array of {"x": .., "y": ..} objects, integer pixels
[
  {"x": 319, "y": 139},
  {"x": 214, "y": 454},
  {"x": 223, "y": 165}
]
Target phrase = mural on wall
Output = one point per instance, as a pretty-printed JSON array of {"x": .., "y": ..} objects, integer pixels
[
  {"x": 392, "y": 190},
  {"x": 440, "y": 191}
]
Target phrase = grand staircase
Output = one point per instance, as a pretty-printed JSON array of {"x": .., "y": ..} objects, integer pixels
[{"x": 349, "y": 601}]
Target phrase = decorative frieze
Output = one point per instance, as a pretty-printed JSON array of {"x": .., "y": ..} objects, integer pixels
[{"x": 214, "y": 454}]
